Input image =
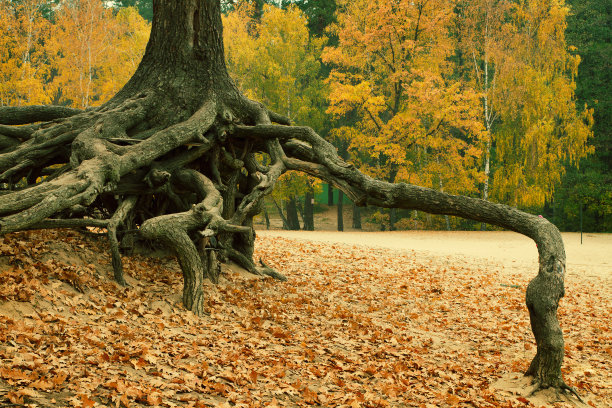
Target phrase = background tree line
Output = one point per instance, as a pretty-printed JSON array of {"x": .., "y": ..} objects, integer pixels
[
  {"x": 74, "y": 52},
  {"x": 503, "y": 100}
]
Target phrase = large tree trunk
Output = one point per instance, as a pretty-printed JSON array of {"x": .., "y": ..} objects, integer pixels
[
  {"x": 293, "y": 221},
  {"x": 181, "y": 140}
]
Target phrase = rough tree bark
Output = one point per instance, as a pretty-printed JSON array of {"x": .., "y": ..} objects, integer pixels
[
  {"x": 340, "y": 211},
  {"x": 309, "y": 209},
  {"x": 356, "y": 217},
  {"x": 180, "y": 140},
  {"x": 291, "y": 208}
]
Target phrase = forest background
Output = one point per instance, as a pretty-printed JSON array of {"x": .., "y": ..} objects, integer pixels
[{"x": 505, "y": 100}]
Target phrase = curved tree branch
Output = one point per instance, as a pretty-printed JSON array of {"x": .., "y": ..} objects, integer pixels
[{"x": 543, "y": 292}]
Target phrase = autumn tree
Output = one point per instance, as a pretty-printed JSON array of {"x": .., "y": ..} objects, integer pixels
[
  {"x": 411, "y": 121},
  {"x": 23, "y": 56},
  {"x": 522, "y": 66},
  {"x": 94, "y": 52},
  {"x": 175, "y": 151}
]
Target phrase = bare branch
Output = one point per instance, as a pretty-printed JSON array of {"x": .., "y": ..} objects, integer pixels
[
  {"x": 20, "y": 115},
  {"x": 19, "y": 132},
  {"x": 68, "y": 223}
]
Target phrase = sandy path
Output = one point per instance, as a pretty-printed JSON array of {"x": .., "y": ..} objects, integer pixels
[{"x": 513, "y": 251}]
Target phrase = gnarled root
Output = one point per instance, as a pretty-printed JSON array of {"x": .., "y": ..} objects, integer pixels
[
  {"x": 125, "y": 207},
  {"x": 559, "y": 387},
  {"x": 266, "y": 270}
]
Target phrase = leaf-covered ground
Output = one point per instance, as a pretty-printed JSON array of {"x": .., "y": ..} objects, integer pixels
[{"x": 353, "y": 327}]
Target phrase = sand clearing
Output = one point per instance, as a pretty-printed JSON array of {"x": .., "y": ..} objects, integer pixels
[
  {"x": 513, "y": 251},
  {"x": 513, "y": 258}
]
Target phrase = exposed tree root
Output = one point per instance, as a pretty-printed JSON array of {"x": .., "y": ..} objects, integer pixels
[
  {"x": 203, "y": 180},
  {"x": 559, "y": 387},
  {"x": 266, "y": 270},
  {"x": 125, "y": 207},
  {"x": 68, "y": 223},
  {"x": 303, "y": 150},
  {"x": 571, "y": 390},
  {"x": 20, "y": 115}
]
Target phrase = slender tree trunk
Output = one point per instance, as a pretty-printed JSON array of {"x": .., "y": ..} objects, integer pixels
[
  {"x": 330, "y": 195},
  {"x": 441, "y": 184},
  {"x": 309, "y": 210},
  {"x": 281, "y": 215},
  {"x": 356, "y": 216},
  {"x": 392, "y": 211},
  {"x": 487, "y": 171},
  {"x": 299, "y": 205},
  {"x": 489, "y": 118},
  {"x": 267, "y": 218},
  {"x": 392, "y": 219},
  {"x": 340, "y": 210}
]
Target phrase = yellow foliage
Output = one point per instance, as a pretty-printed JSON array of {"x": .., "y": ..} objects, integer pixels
[
  {"x": 80, "y": 58},
  {"x": 23, "y": 68},
  {"x": 131, "y": 37},
  {"x": 391, "y": 79},
  {"x": 94, "y": 51},
  {"x": 275, "y": 61},
  {"x": 532, "y": 94}
]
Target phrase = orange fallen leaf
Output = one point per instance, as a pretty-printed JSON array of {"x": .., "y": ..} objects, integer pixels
[
  {"x": 15, "y": 398},
  {"x": 59, "y": 379},
  {"x": 43, "y": 384},
  {"x": 86, "y": 402},
  {"x": 154, "y": 399},
  {"x": 125, "y": 401}
]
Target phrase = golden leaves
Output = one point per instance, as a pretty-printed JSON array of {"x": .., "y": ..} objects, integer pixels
[
  {"x": 392, "y": 73},
  {"x": 274, "y": 60},
  {"x": 527, "y": 75},
  {"x": 23, "y": 55},
  {"x": 81, "y": 57},
  {"x": 95, "y": 50}
]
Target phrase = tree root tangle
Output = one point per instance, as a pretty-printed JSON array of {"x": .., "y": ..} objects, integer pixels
[{"x": 200, "y": 179}]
